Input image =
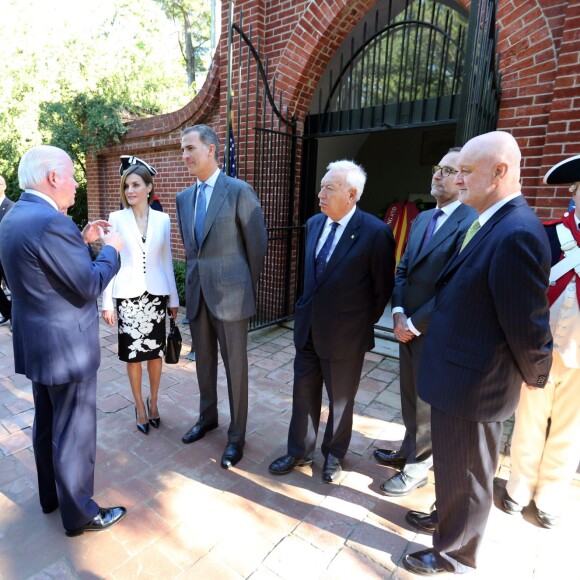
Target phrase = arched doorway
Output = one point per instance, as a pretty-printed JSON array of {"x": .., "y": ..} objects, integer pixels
[
  {"x": 399, "y": 93},
  {"x": 412, "y": 79}
]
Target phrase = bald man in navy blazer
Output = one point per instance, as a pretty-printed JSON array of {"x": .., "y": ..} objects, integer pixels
[
  {"x": 489, "y": 332},
  {"x": 55, "y": 286},
  {"x": 349, "y": 278}
]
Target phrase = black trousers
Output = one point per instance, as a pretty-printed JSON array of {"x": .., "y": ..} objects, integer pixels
[{"x": 341, "y": 378}]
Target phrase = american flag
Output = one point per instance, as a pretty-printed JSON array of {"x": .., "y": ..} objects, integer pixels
[{"x": 233, "y": 172}]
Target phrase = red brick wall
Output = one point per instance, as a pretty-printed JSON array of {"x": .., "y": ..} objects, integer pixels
[{"x": 539, "y": 42}]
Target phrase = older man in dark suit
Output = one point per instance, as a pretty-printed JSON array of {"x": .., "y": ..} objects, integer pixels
[
  {"x": 54, "y": 286},
  {"x": 6, "y": 205},
  {"x": 489, "y": 332},
  {"x": 225, "y": 239},
  {"x": 348, "y": 282},
  {"x": 435, "y": 236}
]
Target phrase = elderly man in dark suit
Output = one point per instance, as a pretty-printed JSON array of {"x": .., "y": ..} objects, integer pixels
[
  {"x": 435, "y": 236},
  {"x": 225, "y": 239},
  {"x": 348, "y": 282},
  {"x": 5, "y": 206},
  {"x": 54, "y": 286},
  {"x": 489, "y": 332}
]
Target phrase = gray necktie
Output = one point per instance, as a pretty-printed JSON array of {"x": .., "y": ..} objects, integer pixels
[{"x": 200, "y": 211}]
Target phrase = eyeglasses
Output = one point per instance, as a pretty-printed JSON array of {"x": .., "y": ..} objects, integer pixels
[{"x": 445, "y": 171}]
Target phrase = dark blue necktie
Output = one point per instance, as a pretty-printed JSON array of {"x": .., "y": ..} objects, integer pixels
[
  {"x": 431, "y": 226},
  {"x": 200, "y": 211},
  {"x": 322, "y": 257}
]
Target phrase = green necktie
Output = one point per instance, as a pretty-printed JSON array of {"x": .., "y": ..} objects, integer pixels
[{"x": 470, "y": 233}]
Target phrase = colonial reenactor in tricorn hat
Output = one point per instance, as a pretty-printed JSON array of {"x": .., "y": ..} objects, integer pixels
[{"x": 544, "y": 460}]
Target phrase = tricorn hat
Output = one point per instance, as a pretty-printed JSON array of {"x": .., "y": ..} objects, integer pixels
[
  {"x": 567, "y": 171},
  {"x": 128, "y": 160}
]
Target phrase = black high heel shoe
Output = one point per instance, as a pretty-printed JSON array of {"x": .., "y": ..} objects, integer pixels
[
  {"x": 153, "y": 421},
  {"x": 143, "y": 427}
]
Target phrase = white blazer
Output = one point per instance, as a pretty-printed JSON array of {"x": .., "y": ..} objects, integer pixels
[{"x": 145, "y": 266}]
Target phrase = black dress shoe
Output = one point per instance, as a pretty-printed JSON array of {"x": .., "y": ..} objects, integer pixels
[
  {"x": 287, "y": 463},
  {"x": 106, "y": 518},
  {"x": 4, "y": 320},
  {"x": 426, "y": 563},
  {"x": 49, "y": 510},
  {"x": 511, "y": 506},
  {"x": 402, "y": 484},
  {"x": 331, "y": 469},
  {"x": 422, "y": 521},
  {"x": 197, "y": 432},
  {"x": 143, "y": 427},
  {"x": 389, "y": 458},
  {"x": 546, "y": 520},
  {"x": 153, "y": 421},
  {"x": 232, "y": 455}
]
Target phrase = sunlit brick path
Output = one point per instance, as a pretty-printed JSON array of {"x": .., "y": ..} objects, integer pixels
[{"x": 188, "y": 518}]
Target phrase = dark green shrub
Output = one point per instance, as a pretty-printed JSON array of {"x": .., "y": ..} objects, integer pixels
[{"x": 180, "y": 272}]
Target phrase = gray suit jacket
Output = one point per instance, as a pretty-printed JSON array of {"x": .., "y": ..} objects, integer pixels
[
  {"x": 419, "y": 267},
  {"x": 227, "y": 264}
]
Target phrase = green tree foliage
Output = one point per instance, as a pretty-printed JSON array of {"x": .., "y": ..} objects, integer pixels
[
  {"x": 75, "y": 72},
  {"x": 193, "y": 18}
]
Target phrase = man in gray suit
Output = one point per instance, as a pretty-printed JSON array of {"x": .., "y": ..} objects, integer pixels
[
  {"x": 435, "y": 236},
  {"x": 225, "y": 239}
]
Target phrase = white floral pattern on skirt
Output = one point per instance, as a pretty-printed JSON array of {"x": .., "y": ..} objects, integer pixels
[{"x": 141, "y": 323}]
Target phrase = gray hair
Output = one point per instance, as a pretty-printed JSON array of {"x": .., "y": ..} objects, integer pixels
[
  {"x": 38, "y": 162},
  {"x": 206, "y": 135},
  {"x": 355, "y": 175}
]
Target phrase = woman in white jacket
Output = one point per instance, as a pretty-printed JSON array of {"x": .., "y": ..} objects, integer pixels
[{"x": 144, "y": 286}]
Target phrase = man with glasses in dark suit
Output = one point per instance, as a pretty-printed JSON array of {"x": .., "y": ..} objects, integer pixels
[{"x": 435, "y": 236}]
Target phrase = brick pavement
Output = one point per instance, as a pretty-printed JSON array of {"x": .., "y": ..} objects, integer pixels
[{"x": 188, "y": 518}]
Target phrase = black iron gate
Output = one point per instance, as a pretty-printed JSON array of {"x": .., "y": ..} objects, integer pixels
[
  {"x": 265, "y": 142},
  {"x": 481, "y": 91},
  {"x": 402, "y": 69}
]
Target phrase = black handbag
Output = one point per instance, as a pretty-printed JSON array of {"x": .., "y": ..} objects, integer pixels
[{"x": 173, "y": 350}]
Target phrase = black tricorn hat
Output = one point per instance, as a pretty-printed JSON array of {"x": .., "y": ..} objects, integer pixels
[
  {"x": 567, "y": 171},
  {"x": 128, "y": 160}
]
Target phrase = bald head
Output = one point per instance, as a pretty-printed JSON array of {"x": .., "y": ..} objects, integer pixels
[{"x": 489, "y": 170}]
